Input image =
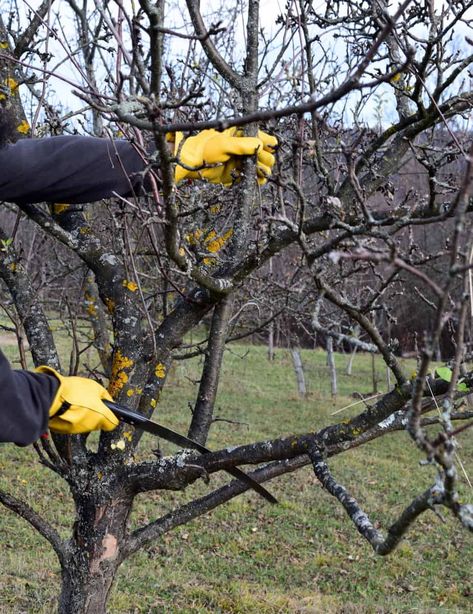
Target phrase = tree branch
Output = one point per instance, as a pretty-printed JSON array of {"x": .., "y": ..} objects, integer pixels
[
  {"x": 204, "y": 406},
  {"x": 25, "y": 297},
  {"x": 36, "y": 521},
  {"x": 362, "y": 522},
  {"x": 232, "y": 77},
  {"x": 24, "y": 40}
]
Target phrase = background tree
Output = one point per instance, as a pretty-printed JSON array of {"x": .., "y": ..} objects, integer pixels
[{"x": 161, "y": 265}]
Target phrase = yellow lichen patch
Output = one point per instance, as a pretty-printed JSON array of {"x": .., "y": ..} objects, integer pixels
[
  {"x": 215, "y": 209},
  {"x": 91, "y": 306},
  {"x": 12, "y": 84},
  {"x": 12, "y": 266},
  {"x": 110, "y": 304},
  {"x": 209, "y": 261},
  {"x": 120, "y": 445},
  {"x": 181, "y": 251},
  {"x": 119, "y": 377},
  {"x": 130, "y": 285},
  {"x": 24, "y": 127},
  {"x": 211, "y": 236},
  {"x": 160, "y": 370},
  {"x": 193, "y": 237},
  {"x": 130, "y": 392},
  {"x": 128, "y": 435},
  {"x": 91, "y": 309},
  {"x": 59, "y": 208},
  {"x": 121, "y": 362},
  {"x": 153, "y": 403},
  {"x": 216, "y": 244},
  {"x": 3, "y": 45},
  {"x": 118, "y": 382}
]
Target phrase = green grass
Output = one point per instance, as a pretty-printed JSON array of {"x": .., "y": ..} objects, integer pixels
[{"x": 300, "y": 556}]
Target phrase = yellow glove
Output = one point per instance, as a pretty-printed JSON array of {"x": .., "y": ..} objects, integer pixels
[
  {"x": 78, "y": 407},
  {"x": 221, "y": 153}
]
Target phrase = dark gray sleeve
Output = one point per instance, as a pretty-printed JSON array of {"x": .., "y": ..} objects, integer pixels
[
  {"x": 25, "y": 399},
  {"x": 69, "y": 169}
]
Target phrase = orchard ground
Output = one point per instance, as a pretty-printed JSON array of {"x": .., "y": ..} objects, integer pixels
[{"x": 302, "y": 555}]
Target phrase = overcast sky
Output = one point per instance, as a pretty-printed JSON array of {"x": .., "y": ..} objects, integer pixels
[{"x": 212, "y": 11}]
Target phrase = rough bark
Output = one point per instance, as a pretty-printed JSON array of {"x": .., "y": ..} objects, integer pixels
[{"x": 93, "y": 554}]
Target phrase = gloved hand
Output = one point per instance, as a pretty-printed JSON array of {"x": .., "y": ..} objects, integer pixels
[
  {"x": 78, "y": 407},
  {"x": 222, "y": 150}
]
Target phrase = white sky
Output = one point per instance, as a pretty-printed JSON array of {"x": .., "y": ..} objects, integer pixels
[{"x": 269, "y": 9}]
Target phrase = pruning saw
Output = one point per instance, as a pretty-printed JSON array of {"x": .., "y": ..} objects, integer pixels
[{"x": 145, "y": 424}]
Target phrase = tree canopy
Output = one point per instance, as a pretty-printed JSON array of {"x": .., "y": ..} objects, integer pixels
[{"x": 364, "y": 219}]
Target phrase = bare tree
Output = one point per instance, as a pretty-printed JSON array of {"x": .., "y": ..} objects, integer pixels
[{"x": 164, "y": 263}]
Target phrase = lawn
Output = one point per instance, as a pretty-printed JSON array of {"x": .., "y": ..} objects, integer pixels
[{"x": 247, "y": 556}]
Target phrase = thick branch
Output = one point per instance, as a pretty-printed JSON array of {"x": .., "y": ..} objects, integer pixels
[
  {"x": 24, "y": 40},
  {"x": 28, "y": 306},
  {"x": 362, "y": 522},
  {"x": 203, "y": 410},
  {"x": 194, "y": 509},
  {"x": 211, "y": 51},
  {"x": 36, "y": 521},
  {"x": 149, "y": 476}
]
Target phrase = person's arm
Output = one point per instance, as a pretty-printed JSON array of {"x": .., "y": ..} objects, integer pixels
[
  {"x": 78, "y": 169},
  {"x": 25, "y": 399},
  {"x": 32, "y": 402},
  {"x": 69, "y": 169}
]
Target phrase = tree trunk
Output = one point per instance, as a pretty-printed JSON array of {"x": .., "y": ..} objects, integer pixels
[
  {"x": 271, "y": 324},
  {"x": 203, "y": 411},
  {"x": 299, "y": 369},
  {"x": 93, "y": 556},
  {"x": 84, "y": 592},
  {"x": 373, "y": 374},
  {"x": 271, "y": 342},
  {"x": 350, "y": 361},
  {"x": 331, "y": 366}
]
